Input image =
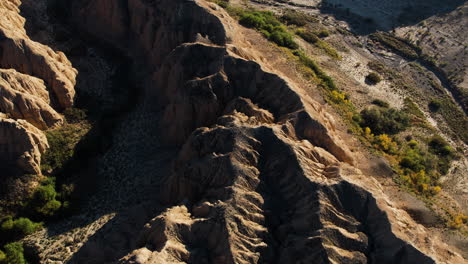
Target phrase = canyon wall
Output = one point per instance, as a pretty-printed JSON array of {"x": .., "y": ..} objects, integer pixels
[{"x": 261, "y": 175}]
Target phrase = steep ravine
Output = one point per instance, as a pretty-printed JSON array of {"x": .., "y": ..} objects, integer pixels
[{"x": 220, "y": 161}]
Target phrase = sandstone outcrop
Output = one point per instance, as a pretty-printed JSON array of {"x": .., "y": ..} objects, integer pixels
[
  {"x": 192, "y": 82},
  {"x": 21, "y": 146},
  {"x": 261, "y": 175},
  {"x": 19, "y": 52},
  {"x": 35, "y": 83},
  {"x": 26, "y": 97}
]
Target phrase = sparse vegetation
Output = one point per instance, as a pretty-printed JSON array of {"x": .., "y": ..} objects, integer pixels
[
  {"x": 418, "y": 161},
  {"x": 458, "y": 221},
  {"x": 398, "y": 45},
  {"x": 376, "y": 66},
  {"x": 45, "y": 202},
  {"x": 74, "y": 115},
  {"x": 325, "y": 81},
  {"x": 328, "y": 49},
  {"x": 455, "y": 118},
  {"x": 292, "y": 17},
  {"x": 312, "y": 38},
  {"x": 62, "y": 143}
]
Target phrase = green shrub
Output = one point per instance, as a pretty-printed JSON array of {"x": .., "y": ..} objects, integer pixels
[
  {"x": 50, "y": 208},
  {"x": 271, "y": 27},
  {"x": 292, "y": 17},
  {"x": 413, "y": 160},
  {"x": 44, "y": 194},
  {"x": 44, "y": 200},
  {"x": 307, "y": 36},
  {"x": 14, "y": 253},
  {"x": 253, "y": 20},
  {"x": 74, "y": 115},
  {"x": 435, "y": 105},
  {"x": 7, "y": 224},
  {"x": 413, "y": 143},
  {"x": 18, "y": 228},
  {"x": 25, "y": 227},
  {"x": 283, "y": 39},
  {"x": 384, "y": 120},
  {"x": 323, "y": 33},
  {"x": 373, "y": 78},
  {"x": 62, "y": 142},
  {"x": 439, "y": 146},
  {"x": 380, "y": 103},
  {"x": 2, "y": 257}
]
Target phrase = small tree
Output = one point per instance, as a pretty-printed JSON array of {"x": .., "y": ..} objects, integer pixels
[{"x": 14, "y": 253}]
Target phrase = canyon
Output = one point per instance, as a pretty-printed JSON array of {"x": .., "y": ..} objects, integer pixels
[{"x": 209, "y": 146}]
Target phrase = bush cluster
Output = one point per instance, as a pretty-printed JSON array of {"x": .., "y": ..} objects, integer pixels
[
  {"x": 13, "y": 254},
  {"x": 384, "y": 120},
  {"x": 373, "y": 78},
  {"x": 307, "y": 36},
  {"x": 44, "y": 200},
  {"x": 439, "y": 146},
  {"x": 62, "y": 142},
  {"x": 292, "y": 17},
  {"x": 18, "y": 228},
  {"x": 323, "y": 33},
  {"x": 270, "y": 26},
  {"x": 74, "y": 115}
]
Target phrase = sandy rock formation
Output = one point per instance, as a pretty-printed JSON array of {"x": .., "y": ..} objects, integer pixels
[
  {"x": 261, "y": 175},
  {"x": 21, "y": 146},
  {"x": 253, "y": 195},
  {"x": 19, "y": 52},
  {"x": 26, "y": 97},
  {"x": 192, "y": 82}
]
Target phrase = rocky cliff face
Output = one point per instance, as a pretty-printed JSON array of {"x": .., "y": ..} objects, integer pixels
[
  {"x": 21, "y": 146},
  {"x": 17, "y": 51},
  {"x": 260, "y": 176},
  {"x": 35, "y": 82},
  {"x": 26, "y": 97},
  {"x": 222, "y": 158}
]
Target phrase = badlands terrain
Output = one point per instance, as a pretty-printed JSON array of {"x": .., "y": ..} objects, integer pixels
[{"x": 263, "y": 131}]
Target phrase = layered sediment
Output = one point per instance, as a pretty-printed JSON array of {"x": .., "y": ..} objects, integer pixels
[{"x": 261, "y": 175}]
